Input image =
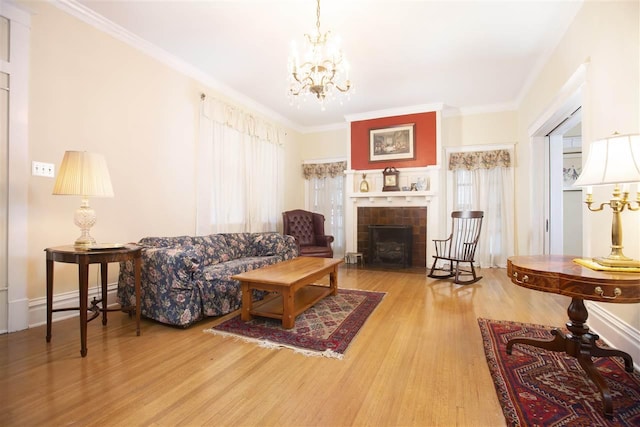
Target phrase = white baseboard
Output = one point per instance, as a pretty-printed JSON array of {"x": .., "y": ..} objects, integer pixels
[
  {"x": 614, "y": 331},
  {"x": 17, "y": 315},
  {"x": 38, "y": 306}
]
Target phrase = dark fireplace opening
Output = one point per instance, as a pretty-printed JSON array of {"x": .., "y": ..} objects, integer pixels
[
  {"x": 390, "y": 245},
  {"x": 414, "y": 216}
]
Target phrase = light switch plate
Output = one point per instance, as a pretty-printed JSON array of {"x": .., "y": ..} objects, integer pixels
[{"x": 43, "y": 169}]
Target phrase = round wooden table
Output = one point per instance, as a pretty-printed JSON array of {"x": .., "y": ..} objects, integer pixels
[{"x": 559, "y": 274}]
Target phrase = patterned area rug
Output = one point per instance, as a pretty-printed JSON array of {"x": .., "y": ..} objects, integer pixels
[
  {"x": 326, "y": 329},
  {"x": 537, "y": 387}
]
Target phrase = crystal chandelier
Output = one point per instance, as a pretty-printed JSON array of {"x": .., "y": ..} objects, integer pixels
[{"x": 324, "y": 71}]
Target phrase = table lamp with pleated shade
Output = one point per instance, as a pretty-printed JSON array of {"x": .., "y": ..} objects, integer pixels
[
  {"x": 86, "y": 175},
  {"x": 614, "y": 161}
]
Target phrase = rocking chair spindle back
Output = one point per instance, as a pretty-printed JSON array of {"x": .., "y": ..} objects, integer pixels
[{"x": 459, "y": 247}]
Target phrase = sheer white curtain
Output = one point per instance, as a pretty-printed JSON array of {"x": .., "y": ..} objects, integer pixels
[
  {"x": 483, "y": 180},
  {"x": 240, "y": 171},
  {"x": 325, "y": 195}
]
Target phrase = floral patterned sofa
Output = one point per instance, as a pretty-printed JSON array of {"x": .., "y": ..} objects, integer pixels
[{"x": 184, "y": 279}]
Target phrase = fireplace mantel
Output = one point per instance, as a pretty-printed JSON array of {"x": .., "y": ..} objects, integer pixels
[
  {"x": 428, "y": 199},
  {"x": 417, "y": 197}
]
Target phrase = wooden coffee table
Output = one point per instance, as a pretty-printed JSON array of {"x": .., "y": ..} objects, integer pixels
[{"x": 293, "y": 280}]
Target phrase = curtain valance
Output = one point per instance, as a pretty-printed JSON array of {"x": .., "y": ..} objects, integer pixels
[
  {"x": 473, "y": 160},
  {"x": 244, "y": 122},
  {"x": 323, "y": 170}
]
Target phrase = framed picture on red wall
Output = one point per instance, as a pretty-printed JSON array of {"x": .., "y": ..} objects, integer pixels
[{"x": 392, "y": 143}]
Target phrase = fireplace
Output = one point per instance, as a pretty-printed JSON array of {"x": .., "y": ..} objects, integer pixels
[
  {"x": 419, "y": 209},
  {"x": 414, "y": 218},
  {"x": 390, "y": 245}
]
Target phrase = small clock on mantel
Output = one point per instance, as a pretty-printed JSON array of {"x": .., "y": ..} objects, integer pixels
[{"x": 390, "y": 175}]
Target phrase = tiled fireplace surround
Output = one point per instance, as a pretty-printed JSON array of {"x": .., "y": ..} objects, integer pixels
[
  {"x": 416, "y": 217},
  {"x": 420, "y": 209}
]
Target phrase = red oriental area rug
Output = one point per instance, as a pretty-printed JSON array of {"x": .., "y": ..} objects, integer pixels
[
  {"x": 326, "y": 329},
  {"x": 537, "y": 387}
]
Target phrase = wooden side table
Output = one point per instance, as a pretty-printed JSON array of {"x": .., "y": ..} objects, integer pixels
[
  {"x": 84, "y": 257},
  {"x": 559, "y": 274}
]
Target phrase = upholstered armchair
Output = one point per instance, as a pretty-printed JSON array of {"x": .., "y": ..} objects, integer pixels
[{"x": 308, "y": 230}]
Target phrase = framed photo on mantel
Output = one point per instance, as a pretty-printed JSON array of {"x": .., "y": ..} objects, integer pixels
[{"x": 392, "y": 143}]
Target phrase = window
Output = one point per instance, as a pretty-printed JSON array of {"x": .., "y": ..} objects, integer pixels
[
  {"x": 325, "y": 195},
  {"x": 240, "y": 171},
  {"x": 483, "y": 180}
]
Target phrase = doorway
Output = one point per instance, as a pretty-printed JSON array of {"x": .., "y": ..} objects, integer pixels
[
  {"x": 556, "y": 138},
  {"x": 564, "y": 159}
]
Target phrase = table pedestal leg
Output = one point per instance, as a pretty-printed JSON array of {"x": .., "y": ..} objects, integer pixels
[{"x": 581, "y": 344}]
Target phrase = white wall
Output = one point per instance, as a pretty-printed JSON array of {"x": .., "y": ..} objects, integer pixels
[
  {"x": 328, "y": 144},
  {"x": 604, "y": 35},
  {"x": 480, "y": 129},
  {"x": 90, "y": 91}
]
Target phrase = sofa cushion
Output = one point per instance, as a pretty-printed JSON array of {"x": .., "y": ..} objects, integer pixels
[
  {"x": 267, "y": 244},
  {"x": 213, "y": 248},
  {"x": 222, "y": 294},
  {"x": 227, "y": 269},
  {"x": 166, "y": 242},
  {"x": 239, "y": 245},
  {"x": 170, "y": 265}
]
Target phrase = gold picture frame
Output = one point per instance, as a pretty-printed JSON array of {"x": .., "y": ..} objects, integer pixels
[{"x": 392, "y": 143}]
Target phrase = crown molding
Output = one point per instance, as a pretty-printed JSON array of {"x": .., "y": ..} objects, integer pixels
[{"x": 103, "y": 24}]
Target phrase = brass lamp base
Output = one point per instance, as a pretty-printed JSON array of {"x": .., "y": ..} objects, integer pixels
[{"x": 617, "y": 262}]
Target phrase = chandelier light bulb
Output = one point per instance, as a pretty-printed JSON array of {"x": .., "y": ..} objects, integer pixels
[{"x": 324, "y": 73}]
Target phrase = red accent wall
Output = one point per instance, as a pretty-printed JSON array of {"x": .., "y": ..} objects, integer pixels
[{"x": 424, "y": 133}]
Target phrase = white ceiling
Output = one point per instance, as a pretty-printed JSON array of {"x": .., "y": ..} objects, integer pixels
[{"x": 466, "y": 55}]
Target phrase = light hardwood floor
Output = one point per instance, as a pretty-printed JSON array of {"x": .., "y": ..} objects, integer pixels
[{"x": 418, "y": 361}]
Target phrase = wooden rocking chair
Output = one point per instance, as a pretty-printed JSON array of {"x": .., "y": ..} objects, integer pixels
[{"x": 459, "y": 247}]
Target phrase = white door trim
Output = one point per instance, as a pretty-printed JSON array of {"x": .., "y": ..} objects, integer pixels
[{"x": 18, "y": 171}]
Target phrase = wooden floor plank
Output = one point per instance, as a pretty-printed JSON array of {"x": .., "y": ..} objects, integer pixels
[{"x": 418, "y": 361}]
